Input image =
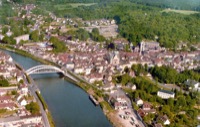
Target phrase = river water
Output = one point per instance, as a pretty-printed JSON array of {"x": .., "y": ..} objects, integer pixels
[{"x": 69, "y": 105}]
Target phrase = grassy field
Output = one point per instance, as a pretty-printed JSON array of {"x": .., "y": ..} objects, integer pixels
[
  {"x": 185, "y": 12},
  {"x": 72, "y": 5}
]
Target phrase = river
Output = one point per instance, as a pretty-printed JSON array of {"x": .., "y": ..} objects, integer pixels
[{"x": 69, "y": 105}]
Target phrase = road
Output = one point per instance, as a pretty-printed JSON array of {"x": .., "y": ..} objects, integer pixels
[
  {"x": 169, "y": 86},
  {"x": 130, "y": 109},
  {"x": 33, "y": 88}
]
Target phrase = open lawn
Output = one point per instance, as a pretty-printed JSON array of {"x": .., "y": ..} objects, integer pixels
[
  {"x": 75, "y": 5},
  {"x": 72, "y": 5},
  {"x": 185, "y": 12}
]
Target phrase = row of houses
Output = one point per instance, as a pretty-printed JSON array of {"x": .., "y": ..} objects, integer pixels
[
  {"x": 147, "y": 108},
  {"x": 15, "y": 98},
  {"x": 18, "y": 121},
  {"x": 118, "y": 102}
]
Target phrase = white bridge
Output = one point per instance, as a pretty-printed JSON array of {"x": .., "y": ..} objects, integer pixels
[{"x": 44, "y": 69}]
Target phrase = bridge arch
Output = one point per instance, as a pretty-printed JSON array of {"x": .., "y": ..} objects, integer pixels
[{"x": 43, "y": 69}]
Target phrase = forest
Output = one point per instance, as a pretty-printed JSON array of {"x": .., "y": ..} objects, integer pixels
[
  {"x": 137, "y": 22},
  {"x": 137, "y": 19},
  {"x": 142, "y": 22},
  {"x": 175, "y": 4}
]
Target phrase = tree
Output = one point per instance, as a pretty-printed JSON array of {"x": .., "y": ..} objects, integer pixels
[
  {"x": 14, "y": 92},
  {"x": 3, "y": 82},
  {"x": 165, "y": 74},
  {"x": 34, "y": 36},
  {"x": 4, "y": 30},
  {"x": 33, "y": 107},
  {"x": 9, "y": 40},
  {"x": 170, "y": 102},
  {"x": 138, "y": 69},
  {"x": 58, "y": 45},
  {"x": 181, "y": 102},
  {"x": 126, "y": 69},
  {"x": 95, "y": 35},
  {"x": 82, "y": 34}
]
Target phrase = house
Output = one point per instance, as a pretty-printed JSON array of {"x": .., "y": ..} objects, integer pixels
[
  {"x": 22, "y": 37},
  {"x": 5, "y": 99},
  {"x": 192, "y": 84},
  {"x": 158, "y": 125},
  {"x": 164, "y": 119},
  {"x": 95, "y": 77},
  {"x": 164, "y": 94},
  {"x": 21, "y": 121},
  {"x": 29, "y": 7},
  {"x": 70, "y": 65},
  {"x": 24, "y": 89},
  {"x": 1, "y": 37},
  {"x": 19, "y": 77},
  {"x": 138, "y": 101},
  {"x": 108, "y": 87},
  {"x": 3, "y": 92},
  {"x": 146, "y": 46},
  {"x": 146, "y": 106},
  {"x": 8, "y": 106},
  {"x": 9, "y": 33},
  {"x": 141, "y": 112},
  {"x": 22, "y": 102},
  {"x": 131, "y": 86},
  {"x": 118, "y": 106},
  {"x": 18, "y": 97},
  {"x": 198, "y": 117},
  {"x": 23, "y": 112},
  {"x": 78, "y": 70},
  {"x": 150, "y": 111},
  {"x": 117, "y": 103},
  {"x": 88, "y": 70},
  {"x": 121, "y": 99},
  {"x": 114, "y": 58}
]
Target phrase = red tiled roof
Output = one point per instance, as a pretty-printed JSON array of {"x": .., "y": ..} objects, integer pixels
[{"x": 5, "y": 105}]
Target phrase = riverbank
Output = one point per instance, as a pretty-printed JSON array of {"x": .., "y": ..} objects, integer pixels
[
  {"x": 107, "y": 110},
  {"x": 50, "y": 118},
  {"x": 26, "y": 54}
]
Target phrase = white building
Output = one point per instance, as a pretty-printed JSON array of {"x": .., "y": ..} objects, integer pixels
[
  {"x": 78, "y": 70},
  {"x": 164, "y": 94},
  {"x": 17, "y": 121},
  {"x": 164, "y": 119},
  {"x": 22, "y": 37},
  {"x": 9, "y": 33},
  {"x": 70, "y": 65},
  {"x": 138, "y": 101},
  {"x": 24, "y": 89},
  {"x": 1, "y": 37},
  {"x": 192, "y": 84},
  {"x": 22, "y": 102}
]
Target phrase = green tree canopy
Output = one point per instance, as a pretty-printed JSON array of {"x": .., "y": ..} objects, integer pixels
[
  {"x": 33, "y": 107},
  {"x": 34, "y": 36},
  {"x": 58, "y": 45}
]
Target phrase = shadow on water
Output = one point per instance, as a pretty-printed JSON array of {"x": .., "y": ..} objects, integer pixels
[{"x": 47, "y": 76}]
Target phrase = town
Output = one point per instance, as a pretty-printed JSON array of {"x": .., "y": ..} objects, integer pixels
[
  {"x": 18, "y": 107},
  {"x": 101, "y": 64}
]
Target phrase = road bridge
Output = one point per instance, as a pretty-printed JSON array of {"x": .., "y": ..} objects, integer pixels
[{"x": 45, "y": 69}]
